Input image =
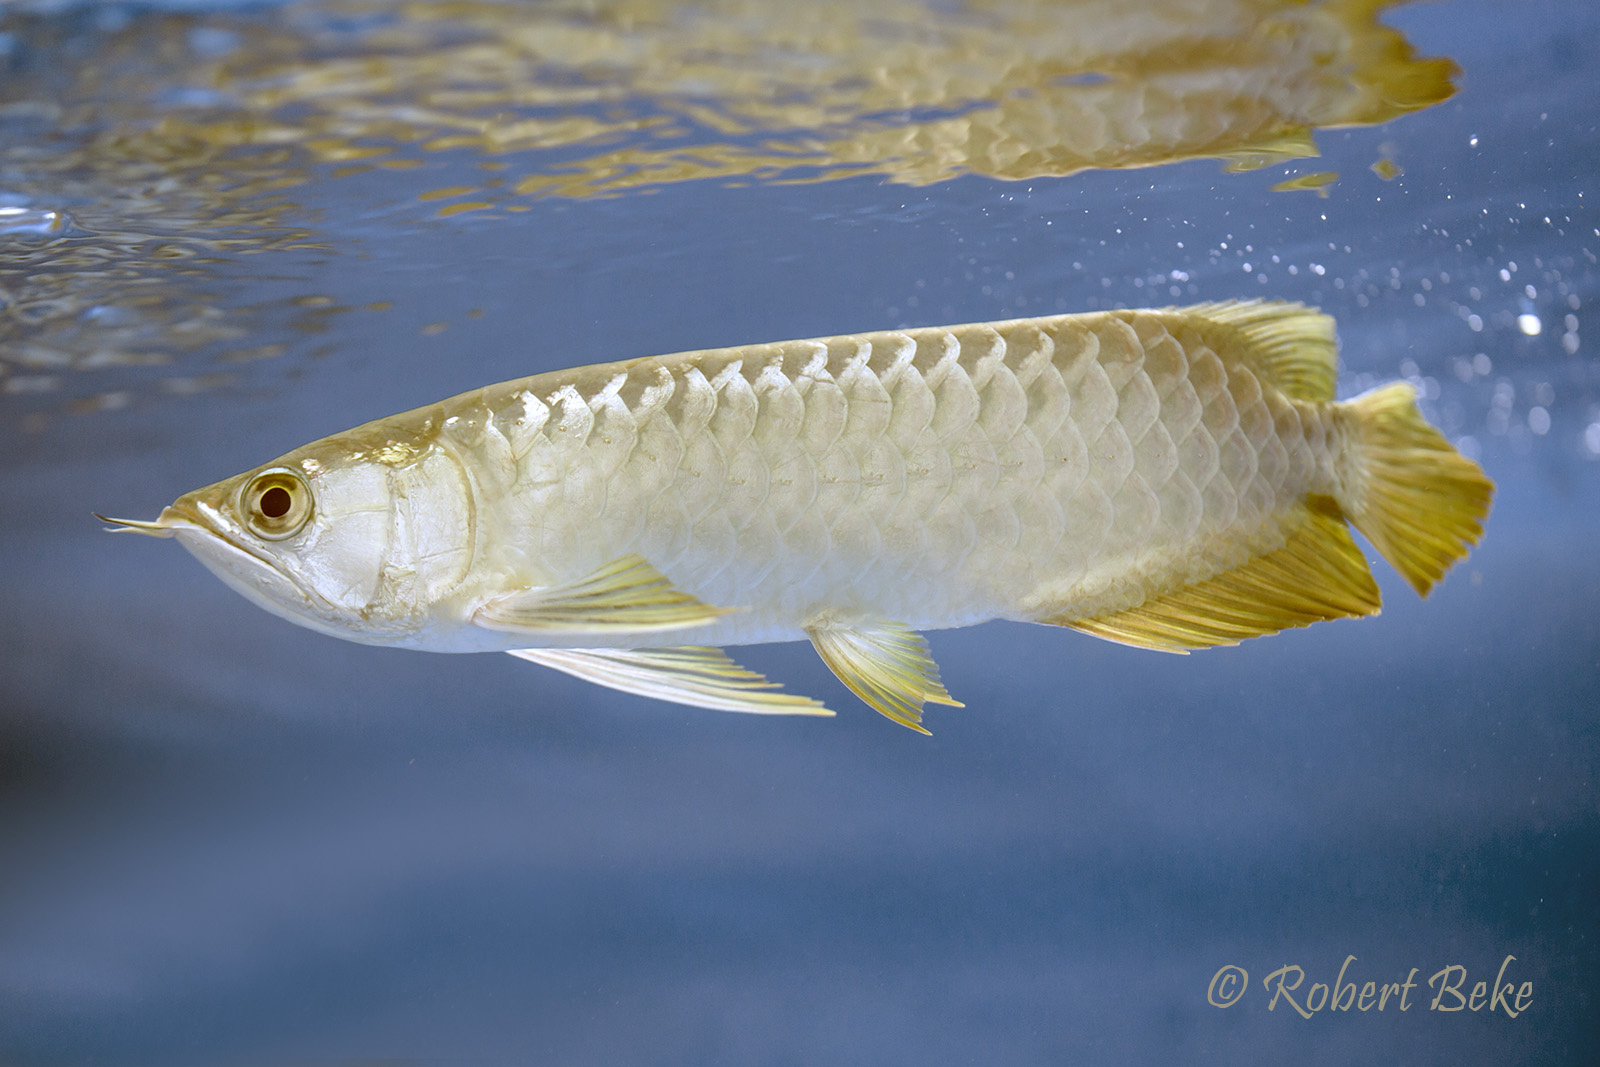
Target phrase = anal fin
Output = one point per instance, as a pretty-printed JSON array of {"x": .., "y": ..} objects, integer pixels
[
  {"x": 885, "y": 664},
  {"x": 625, "y": 595},
  {"x": 699, "y": 676},
  {"x": 1319, "y": 574}
]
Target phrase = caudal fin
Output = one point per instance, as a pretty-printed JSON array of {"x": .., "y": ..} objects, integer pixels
[{"x": 1417, "y": 499}]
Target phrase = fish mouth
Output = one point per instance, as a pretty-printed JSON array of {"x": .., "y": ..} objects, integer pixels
[
  {"x": 202, "y": 523},
  {"x": 186, "y": 516},
  {"x": 167, "y": 524}
]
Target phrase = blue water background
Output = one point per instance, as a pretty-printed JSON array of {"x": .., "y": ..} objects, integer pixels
[{"x": 224, "y": 839}]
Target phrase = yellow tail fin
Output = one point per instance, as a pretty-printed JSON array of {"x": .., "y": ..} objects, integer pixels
[{"x": 1417, "y": 499}]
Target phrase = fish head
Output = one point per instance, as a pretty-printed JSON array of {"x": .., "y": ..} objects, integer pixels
[{"x": 312, "y": 538}]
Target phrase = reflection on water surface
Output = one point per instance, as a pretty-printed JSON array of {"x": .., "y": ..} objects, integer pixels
[{"x": 145, "y": 154}]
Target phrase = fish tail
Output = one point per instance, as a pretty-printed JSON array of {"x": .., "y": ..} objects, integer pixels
[{"x": 1419, "y": 501}]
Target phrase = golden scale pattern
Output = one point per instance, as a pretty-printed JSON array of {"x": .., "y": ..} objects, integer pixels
[{"x": 1030, "y": 464}]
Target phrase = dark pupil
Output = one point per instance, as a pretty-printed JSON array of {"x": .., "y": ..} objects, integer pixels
[{"x": 275, "y": 502}]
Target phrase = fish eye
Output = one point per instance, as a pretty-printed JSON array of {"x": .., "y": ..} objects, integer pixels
[{"x": 276, "y": 504}]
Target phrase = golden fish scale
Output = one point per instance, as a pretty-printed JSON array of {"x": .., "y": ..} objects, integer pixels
[{"x": 935, "y": 477}]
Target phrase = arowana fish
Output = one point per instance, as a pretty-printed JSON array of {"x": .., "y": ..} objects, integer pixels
[{"x": 1175, "y": 478}]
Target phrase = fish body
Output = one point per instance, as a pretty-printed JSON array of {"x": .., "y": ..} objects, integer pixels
[{"x": 1173, "y": 478}]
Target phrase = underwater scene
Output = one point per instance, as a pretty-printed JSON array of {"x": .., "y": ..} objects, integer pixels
[{"x": 230, "y": 229}]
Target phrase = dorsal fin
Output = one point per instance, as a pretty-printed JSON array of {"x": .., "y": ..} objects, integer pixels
[
  {"x": 1290, "y": 345},
  {"x": 1319, "y": 574}
]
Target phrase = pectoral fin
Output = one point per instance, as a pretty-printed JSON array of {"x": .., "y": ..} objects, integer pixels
[
  {"x": 885, "y": 664},
  {"x": 698, "y": 676},
  {"x": 626, "y": 595}
]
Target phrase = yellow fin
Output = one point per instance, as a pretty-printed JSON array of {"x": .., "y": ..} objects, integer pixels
[
  {"x": 696, "y": 675},
  {"x": 1419, "y": 501},
  {"x": 885, "y": 664},
  {"x": 1316, "y": 182},
  {"x": 626, "y": 595},
  {"x": 1319, "y": 574},
  {"x": 1292, "y": 346},
  {"x": 1296, "y": 142}
]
